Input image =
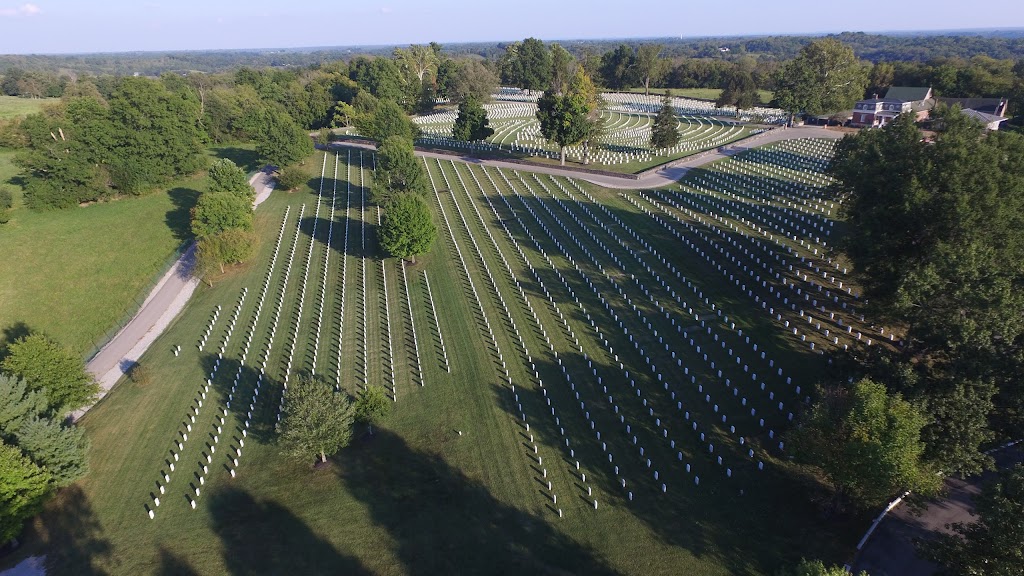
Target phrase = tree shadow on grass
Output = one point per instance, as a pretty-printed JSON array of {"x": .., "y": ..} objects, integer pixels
[
  {"x": 263, "y": 537},
  {"x": 172, "y": 565},
  {"x": 445, "y": 523},
  {"x": 71, "y": 535},
  {"x": 178, "y": 218},
  {"x": 245, "y": 159},
  {"x": 10, "y": 334}
]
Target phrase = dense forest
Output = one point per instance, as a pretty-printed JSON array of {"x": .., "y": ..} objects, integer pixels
[{"x": 910, "y": 47}]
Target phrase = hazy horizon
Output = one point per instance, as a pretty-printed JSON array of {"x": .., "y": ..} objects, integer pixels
[{"x": 68, "y": 27}]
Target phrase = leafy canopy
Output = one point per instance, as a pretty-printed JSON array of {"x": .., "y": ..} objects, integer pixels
[
  {"x": 47, "y": 367},
  {"x": 824, "y": 77},
  {"x": 407, "y": 228},
  {"x": 471, "y": 125},
  {"x": 867, "y": 442},
  {"x": 398, "y": 171},
  {"x": 316, "y": 421},
  {"x": 23, "y": 488}
]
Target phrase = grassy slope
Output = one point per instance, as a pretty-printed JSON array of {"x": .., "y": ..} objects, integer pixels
[
  {"x": 13, "y": 106},
  {"x": 75, "y": 274},
  {"x": 417, "y": 498}
]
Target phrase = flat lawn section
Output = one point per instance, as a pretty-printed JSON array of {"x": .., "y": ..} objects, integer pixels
[
  {"x": 14, "y": 107},
  {"x": 77, "y": 275}
]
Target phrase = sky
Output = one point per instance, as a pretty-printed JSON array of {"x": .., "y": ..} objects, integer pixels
[{"x": 78, "y": 26}]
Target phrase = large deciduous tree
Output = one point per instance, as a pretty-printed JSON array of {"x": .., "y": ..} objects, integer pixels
[
  {"x": 53, "y": 370},
  {"x": 994, "y": 544},
  {"x": 824, "y": 77},
  {"x": 316, "y": 421},
  {"x": 472, "y": 79},
  {"x": 618, "y": 68},
  {"x": 216, "y": 212},
  {"x": 569, "y": 118},
  {"x": 280, "y": 140},
  {"x": 407, "y": 228},
  {"x": 935, "y": 235},
  {"x": 649, "y": 67},
  {"x": 398, "y": 171},
  {"x": 471, "y": 125},
  {"x": 739, "y": 90},
  {"x": 867, "y": 442},
  {"x": 527, "y": 64},
  {"x": 665, "y": 131},
  {"x": 387, "y": 120},
  {"x": 226, "y": 176}
]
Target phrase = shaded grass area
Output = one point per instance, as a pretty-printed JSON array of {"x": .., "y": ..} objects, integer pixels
[
  {"x": 14, "y": 107},
  {"x": 418, "y": 497}
]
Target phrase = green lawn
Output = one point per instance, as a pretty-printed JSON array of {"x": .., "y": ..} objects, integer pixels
[
  {"x": 418, "y": 497},
  {"x": 13, "y": 106},
  {"x": 77, "y": 274}
]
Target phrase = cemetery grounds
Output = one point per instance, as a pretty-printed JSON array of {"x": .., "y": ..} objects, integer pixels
[
  {"x": 623, "y": 146},
  {"x": 640, "y": 351}
]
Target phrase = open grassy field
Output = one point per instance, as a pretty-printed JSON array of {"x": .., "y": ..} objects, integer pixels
[
  {"x": 75, "y": 274},
  {"x": 14, "y": 107},
  {"x": 701, "y": 351}
]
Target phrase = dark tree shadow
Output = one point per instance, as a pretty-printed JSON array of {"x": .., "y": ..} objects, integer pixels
[
  {"x": 263, "y": 537},
  {"x": 247, "y": 160},
  {"x": 178, "y": 218},
  {"x": 171, "y": 565},
  {"x": 11, "y": 334},
  {"x": 70, "y": 534},
  {"x": 445, "y": 523}
]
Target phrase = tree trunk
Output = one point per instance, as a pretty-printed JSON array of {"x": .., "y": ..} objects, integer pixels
[
  {"x": 413, "y": 258},
  {"x": 323, "y": 457},
  {"x": 563, "y": 155},
  {"x": 647, "y": 87}
]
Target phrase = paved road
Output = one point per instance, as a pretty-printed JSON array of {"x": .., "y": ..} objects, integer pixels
[
  {"x": 162, "y": 305},
  {"x": 891, "y": 551}
]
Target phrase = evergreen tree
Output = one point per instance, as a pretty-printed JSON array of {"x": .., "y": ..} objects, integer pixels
[
  {"x": 665, "y": 131},
  {"x": 407, "y": 228},
  {"x": 59, "y": 449},
  {"x": 23, "y": 487},
  {"x": 316, "y": 420},
  {"x": 471, "y": 125},
  {"x": 18, "y": 404}
]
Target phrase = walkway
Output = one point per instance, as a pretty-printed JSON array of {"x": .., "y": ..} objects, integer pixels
[
  {"x": 162, "y": 305},
  {"x": 891, "y": 550}
]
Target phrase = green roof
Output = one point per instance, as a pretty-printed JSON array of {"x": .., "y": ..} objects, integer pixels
[{"x": 907, "y": 93}]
